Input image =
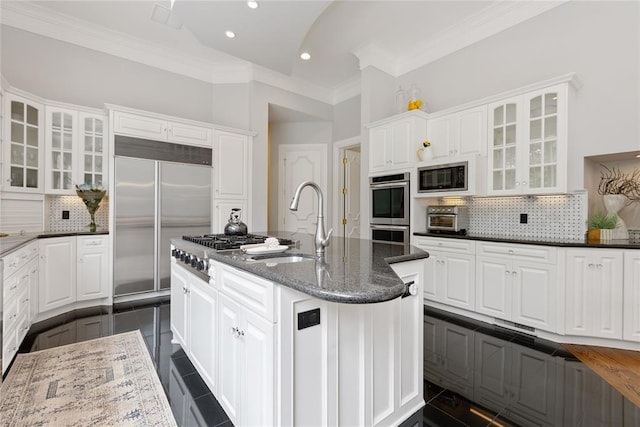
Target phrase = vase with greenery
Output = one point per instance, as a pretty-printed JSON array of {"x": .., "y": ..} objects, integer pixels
[
  {"x": 601, "y": 226},
  {"x": 91, "y": 196}
]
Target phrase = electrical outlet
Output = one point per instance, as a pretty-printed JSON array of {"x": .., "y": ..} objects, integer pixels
[
  {"x": 524, "y": 218},
  {"x": 65, "y": 214}
]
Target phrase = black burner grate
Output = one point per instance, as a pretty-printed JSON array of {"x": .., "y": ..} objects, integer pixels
[{"x": 222, "y": 241}]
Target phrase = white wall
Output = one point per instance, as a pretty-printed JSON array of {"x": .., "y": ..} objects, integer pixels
[
  {"x": 65, "y": 72},
  {"x": 231, "y": 105},
  {"x": 598, "y": 40},
  {"x": 261, "y": 95},
  {"x": 346, "y": 119}
]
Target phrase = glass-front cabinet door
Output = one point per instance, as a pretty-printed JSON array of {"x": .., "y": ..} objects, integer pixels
[
  {"x": 61, "y": 131},
  {"x": 527, "y": 143},
  {"x": 22, "y": 156},
  {"x": 92, "y": 149},
  {"x": 503, "y": 149},
  {"x": 545, "y": 137}
]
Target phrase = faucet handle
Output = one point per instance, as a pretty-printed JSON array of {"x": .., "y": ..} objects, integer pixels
[{"x": 325, "y": 242}]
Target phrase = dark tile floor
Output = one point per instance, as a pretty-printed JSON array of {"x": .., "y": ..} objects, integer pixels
[{"x": 475, "y": 374}]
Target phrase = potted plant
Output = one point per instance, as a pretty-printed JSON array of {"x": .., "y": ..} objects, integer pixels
[{"x": 601, "y": 226}]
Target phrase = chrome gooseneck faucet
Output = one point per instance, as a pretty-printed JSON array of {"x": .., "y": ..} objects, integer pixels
[{"x": 321, "y": 241}]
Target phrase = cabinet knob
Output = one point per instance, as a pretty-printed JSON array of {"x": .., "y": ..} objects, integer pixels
[
  {"x": 507, "y": 272},
  {"x": 590, "y": 265},
  {"x": 513, "y": 273}
]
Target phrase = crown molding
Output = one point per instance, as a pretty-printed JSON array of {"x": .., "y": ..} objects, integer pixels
[
  {"x": 39, "y": 20},
  {"x": 486, "y": 23},
  {"x": 347, "y": 90}
]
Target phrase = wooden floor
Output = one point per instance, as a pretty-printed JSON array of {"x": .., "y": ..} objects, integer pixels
[{"x": 620, "y": 368}]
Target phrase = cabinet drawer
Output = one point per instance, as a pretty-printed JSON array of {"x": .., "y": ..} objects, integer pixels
[
  {"x": 523, "y": 252},
  {"x": 254, "y": 293},
  {"x": 91, "y": 242},
  {"x": 444, "y": 244},
  {"x": 10, "y": 316},
  {"x": 16, "y": 283},
  {"x": 13, "y": 262}
]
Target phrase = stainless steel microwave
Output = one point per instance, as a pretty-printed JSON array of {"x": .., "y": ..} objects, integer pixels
[{"x": 445, "y": 177}]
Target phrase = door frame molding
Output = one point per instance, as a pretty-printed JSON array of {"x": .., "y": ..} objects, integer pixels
[{"x": 338, "y": 152}]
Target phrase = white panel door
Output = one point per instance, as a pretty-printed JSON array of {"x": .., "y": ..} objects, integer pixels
[
  {"x": 459, "y": 280},
  {"x": 57, "y": 272},
  {"x": 379, "y": 145},
  {"x": 178, "y": 304},
  {"x": 231, "y": 152},
  {"x": 202, "y": 325},
  {"x": 493, "y": 291},
  {"x": 534, "y": 295},
  {"x": 230, "y": 352},
  {"x": 631, "y": 310},
  {"x": 300, "y": 163},
  {"x": 432, "y": 276},
  {"x": 439, "y": 134}
]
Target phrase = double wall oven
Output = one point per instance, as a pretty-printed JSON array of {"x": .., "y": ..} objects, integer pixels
[{"x": 389, "y": 220}]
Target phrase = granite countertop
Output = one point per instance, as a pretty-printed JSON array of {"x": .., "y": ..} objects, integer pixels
[
  {"x": 15, "y": 241},
  {"x": 617, "y": 244},
  {"x": 353, "y": 271}
]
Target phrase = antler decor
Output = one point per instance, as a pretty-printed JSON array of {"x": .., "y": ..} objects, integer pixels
[{"x": 613, "y": 181}]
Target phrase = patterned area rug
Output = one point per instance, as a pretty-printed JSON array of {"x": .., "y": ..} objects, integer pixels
[{"x": 108, "y": 381}]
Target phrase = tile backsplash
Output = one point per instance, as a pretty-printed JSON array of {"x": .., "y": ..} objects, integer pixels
[
  {"x": 548, "y": 217},
  {"x": 79, "y": 218}
]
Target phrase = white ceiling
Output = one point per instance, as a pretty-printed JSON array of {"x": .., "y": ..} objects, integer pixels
[{"x": 342, "y": 35}]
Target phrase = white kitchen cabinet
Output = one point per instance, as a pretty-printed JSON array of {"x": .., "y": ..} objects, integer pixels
[
  {"x": 231, "y": 159},
  {"x": 517, "y": 283},
  {"x": 73, "y": 269},
  {"x": 92, "y": 268},
  {"x": 75, "y": 150},
  {"x": 458, "y": 134},
  {"x": 393, "y": 142},
  {"x": 92, "y": 149},
  {"x": 232, "y": 175},
  {"x": 57, "y": 273},
  {"x": 449, "y": 271},
  {"x": 594, "y": 290},
  {"x": 202, "y": 325},
  {"x": 522, "y": 380},
  {"x": 528, "y": 143},
  {"x": 179, "y": 304},
  {"x": 16, "y": 297},
  {"x": 631, "y": 292},
  {"x": 246, "y": 383},
  {"x": 23, "y": 157},
  {"x": 161, "y": 129},
  {"x": 449, "y": 358}
]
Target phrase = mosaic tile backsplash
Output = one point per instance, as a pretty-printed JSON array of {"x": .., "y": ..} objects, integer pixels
[
  {"x": 78, "y": 215},
  {"x": 548, "y": 217}
]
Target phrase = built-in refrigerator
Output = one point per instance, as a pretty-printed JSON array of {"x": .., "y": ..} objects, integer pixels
[{"x": 161, "y": 191}]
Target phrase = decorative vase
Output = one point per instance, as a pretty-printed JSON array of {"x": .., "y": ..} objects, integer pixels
[
  {"x": 613, "y": 203},
  {"x": 606, "y": 234},
  {"x": 593, "y": 235},
  {"x": 92, "y": 201}
]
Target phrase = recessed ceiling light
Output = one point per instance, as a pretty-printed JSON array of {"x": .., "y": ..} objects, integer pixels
[
  {"x": 252, "y": 4},
  {"x": 230, "y": 34},
  {"x": 305, "y": 55}
]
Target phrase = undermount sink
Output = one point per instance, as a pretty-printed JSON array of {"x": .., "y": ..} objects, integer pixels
[{"x": 283, "y": 259}]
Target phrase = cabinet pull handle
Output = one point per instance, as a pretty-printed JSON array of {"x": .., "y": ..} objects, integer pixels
[
  {"x": 507, "y": 272},
  {"x": 590, "y": 265},
  {"x": 513, "y": 273}
]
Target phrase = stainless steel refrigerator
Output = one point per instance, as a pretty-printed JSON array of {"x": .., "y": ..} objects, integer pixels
[{"x": 156, "y": 200}]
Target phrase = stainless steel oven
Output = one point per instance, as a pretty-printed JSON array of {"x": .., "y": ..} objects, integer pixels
[
  {"x": 396, "y": 234},
  {"x": 389, "y": 199}
]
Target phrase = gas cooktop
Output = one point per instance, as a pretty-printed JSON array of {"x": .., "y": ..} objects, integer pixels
[{"x": 225, "y": 242}]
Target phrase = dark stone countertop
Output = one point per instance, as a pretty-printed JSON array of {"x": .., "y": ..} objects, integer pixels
[
  {"x": 567, "y": 243},
  {"x": 353, "y": 271},
  {"x": 15, "y": 241}
]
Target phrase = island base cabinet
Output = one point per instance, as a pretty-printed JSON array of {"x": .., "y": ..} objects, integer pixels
[
  {"x": 246, "y": 385},
  {"x": 360, "y": 365}
]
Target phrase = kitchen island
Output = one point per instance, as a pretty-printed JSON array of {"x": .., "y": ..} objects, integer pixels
[{"x": 335, "y": 340}]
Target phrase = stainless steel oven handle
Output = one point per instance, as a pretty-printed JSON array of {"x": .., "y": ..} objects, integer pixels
[
  {"x": 389, "y": 184},
  {"x": 390, "y": 227}
]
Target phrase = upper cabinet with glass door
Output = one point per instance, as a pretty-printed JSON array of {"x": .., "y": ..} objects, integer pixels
[
  {"x": 22, "y": 160},
  {"x": 61, "y": 137},
  {"x": 75, "y": 150},
  {"x": 527, "y": 143},
  {"x": 92, "y": 156}
]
